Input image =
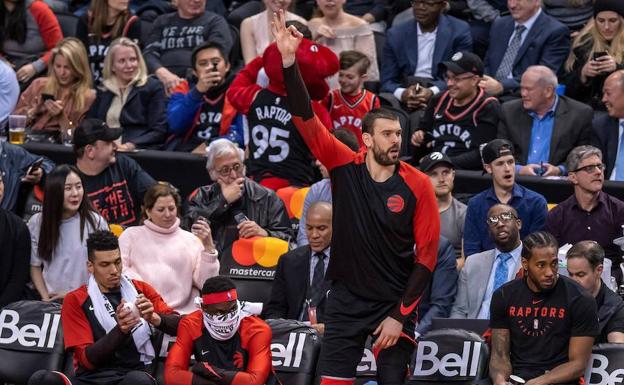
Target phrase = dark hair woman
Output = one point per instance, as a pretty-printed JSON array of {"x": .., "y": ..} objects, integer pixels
[{"x": 59, "y": 233}]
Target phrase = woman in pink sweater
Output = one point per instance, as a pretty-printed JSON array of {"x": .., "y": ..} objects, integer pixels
[{"x": 174, "y": 261}]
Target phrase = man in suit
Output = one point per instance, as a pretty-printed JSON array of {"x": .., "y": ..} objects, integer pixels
[
  {"x": 543, "y": 126},
  {"x": 527, "y": 37},
  {"x": 607, "y": 133},
  {"x": 485, "y": 272},
  {"x": 292, "y": 295},
  {"x": 414, "y": 49}
]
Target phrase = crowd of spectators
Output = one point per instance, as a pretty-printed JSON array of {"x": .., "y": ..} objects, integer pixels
[{"x": 516, "y": 87}]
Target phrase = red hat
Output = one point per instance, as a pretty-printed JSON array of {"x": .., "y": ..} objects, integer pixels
[{"x": 316, "y": 62}]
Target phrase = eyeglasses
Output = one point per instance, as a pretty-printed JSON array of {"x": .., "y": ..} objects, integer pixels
[
  {"x": 591, "y": 168},
  {"x": 504, "y": 217},
  {"x": 456, "y": 79},
  {"x": 426, "y": 3},
  {"x": 227, "y": 170}
]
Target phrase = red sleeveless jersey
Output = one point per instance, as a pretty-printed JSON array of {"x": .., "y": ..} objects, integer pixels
[{"x": 348, "y": 111}]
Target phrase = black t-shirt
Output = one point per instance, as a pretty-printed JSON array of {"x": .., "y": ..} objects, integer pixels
[
  {"x": 275, "y": 146},
  {"x": 541, "y": 324},
  {"x": 459, "y": 131},
  {"x": 117, "y": 192},
  {"x": 610, "y": 313}
]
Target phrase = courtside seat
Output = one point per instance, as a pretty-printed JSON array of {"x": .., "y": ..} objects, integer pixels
[
  {"x": 31, "y": 338},
  {"x": 449, "y": 356},
  {"x": 295, "y": 348}
]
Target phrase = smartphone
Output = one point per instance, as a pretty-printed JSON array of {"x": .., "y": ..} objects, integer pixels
[
  {"x": 45, "y": 97},
  {"x": 35, "y": 166},
  {"x": 240, "y": 218},
  {"x": 598, "y": 55}
]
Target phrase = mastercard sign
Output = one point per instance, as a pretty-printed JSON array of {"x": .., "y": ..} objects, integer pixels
[
  {"x": 293, "y": 199},
  {"x": 253, "y": 258}
]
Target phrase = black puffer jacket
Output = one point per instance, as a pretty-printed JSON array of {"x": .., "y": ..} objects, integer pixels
[{"x": 258, "y": 203}]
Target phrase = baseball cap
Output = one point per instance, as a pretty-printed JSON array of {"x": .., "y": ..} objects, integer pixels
[
  {"x": 495, "y": 149},
  {"x": 463, "y": 62},
  {"x": 428, "y": 162},
  {"x": 91, "y": 130}
]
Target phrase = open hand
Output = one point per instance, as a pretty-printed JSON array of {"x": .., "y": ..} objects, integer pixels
[
  {"x": 388, "y": 333},
  {"x": 287, "y": 39}
]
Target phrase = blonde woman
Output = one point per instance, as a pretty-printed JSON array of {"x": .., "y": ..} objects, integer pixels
[
  {"x": 129, "y": 99},
  {"x": 59, "y": 101},
  {"x": 597, "y": 51},
  {"x": 255, "y": 31},
  {"x": 340, "y": 31}
]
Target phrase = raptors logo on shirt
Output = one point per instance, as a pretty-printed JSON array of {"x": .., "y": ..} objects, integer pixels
[{"x": 348, "y": 111}]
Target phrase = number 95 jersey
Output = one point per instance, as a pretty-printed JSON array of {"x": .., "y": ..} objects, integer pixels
[{"x": 276, "y": 149}]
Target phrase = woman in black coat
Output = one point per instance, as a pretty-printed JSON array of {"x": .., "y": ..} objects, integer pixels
[{"x": 129, "y": 99}]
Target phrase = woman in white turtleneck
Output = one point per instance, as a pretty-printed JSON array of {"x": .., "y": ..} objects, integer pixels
[{"x": 174, "y": 261}]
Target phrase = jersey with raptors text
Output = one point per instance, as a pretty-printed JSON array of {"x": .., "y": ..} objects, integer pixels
[
  {"x": 275, "y": 147},
  {"x": 459, "y": 131},
  {"x": 541, "y": 324},
  {"x": 348, "y": 111}
]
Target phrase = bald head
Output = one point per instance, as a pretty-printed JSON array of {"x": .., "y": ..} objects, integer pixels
[
  {"x": 502, "y": 206},
  {"x": 319, "y": 225},
  {"x": 613, "y": 94},
  {"x": 537, "y": 89}
]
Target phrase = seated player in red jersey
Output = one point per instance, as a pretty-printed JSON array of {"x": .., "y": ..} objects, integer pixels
[
  {"x": 230, "y": 346},
  {"x": 348, "y": 104},
  {"x": 107, "y": 323}
]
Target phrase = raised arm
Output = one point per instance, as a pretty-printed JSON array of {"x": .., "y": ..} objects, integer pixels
[{"x": 327, "y": 149}]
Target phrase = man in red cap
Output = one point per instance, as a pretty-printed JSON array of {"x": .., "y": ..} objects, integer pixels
[
  {"x": 230, "y": 346},
  {"x": 278, "y": 156}
]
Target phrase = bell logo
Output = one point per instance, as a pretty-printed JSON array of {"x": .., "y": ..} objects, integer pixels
[
  {"x": 28, "y": 335},
  {"x": 597, "y": 375},
  {"x": 368, "y": 363},
  {"x": 451, "y": 364},
  {"x": 291, "y": 354}
]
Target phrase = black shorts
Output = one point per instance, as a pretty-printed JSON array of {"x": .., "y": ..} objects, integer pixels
[{"x": 349, "y": 320}]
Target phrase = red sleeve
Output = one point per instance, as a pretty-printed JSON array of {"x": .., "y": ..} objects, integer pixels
[
  {"x": 77, "y": 333},
  {"x": 376, "y": 102},
  {"x": 322, "y": 113},
  {"x": 227, "y": 117},
  {"x": 160, "y": 306},
  {"x": 426, "y": 229},
  {"x": 179, "y": 357},
  {"x": 243, "y": 89},
  {"x": 256, "y": 339},
  {"x": 324, "y": 146},
  {"x": 182, "y": 88},
  {"x": 49, "y": 27}
]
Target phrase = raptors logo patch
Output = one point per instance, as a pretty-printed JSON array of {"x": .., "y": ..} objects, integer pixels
[{"x": 396, "y": 203}]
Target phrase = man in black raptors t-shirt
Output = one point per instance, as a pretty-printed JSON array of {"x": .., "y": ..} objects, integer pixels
[{"x": 543, "y": 325}]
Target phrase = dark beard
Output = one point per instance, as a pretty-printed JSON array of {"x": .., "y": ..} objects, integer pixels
[{"x": 382, "y": 157}]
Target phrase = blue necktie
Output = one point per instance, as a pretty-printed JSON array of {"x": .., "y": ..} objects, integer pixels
[
  {"x": 502, "y": 270},
  {"x": 619, "y": 161}
]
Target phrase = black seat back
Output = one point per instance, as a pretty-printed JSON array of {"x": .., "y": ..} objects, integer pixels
[
  {"x": 31, "y": 338},
  {"x": 449, "y": 356},
  {"x": 295, "y": 348},
  {"x": 606, "y": 365}
]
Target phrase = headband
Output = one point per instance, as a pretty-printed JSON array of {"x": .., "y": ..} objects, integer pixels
[{"x": 218, "y": 297}]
